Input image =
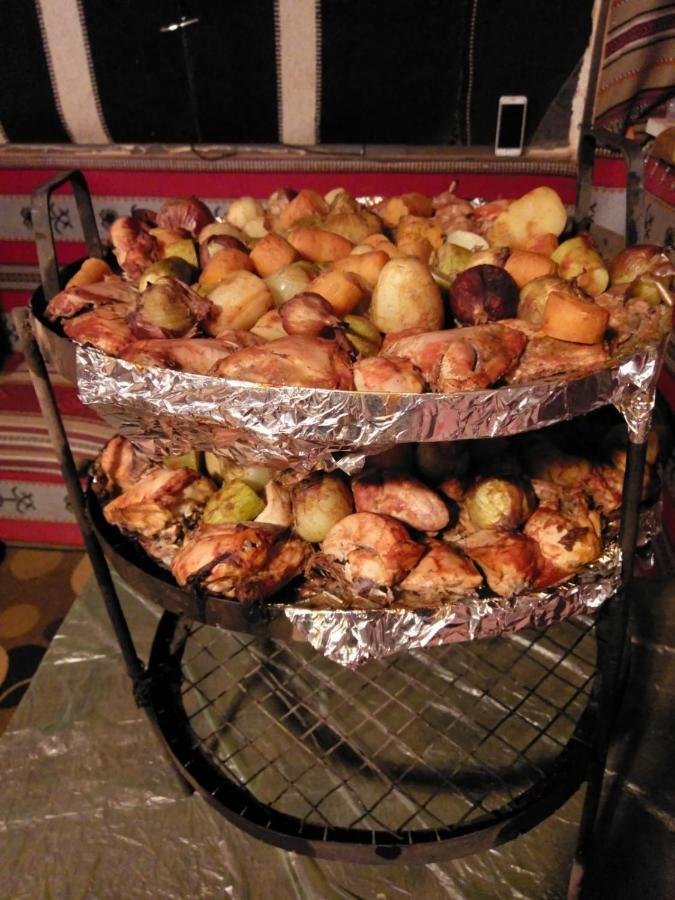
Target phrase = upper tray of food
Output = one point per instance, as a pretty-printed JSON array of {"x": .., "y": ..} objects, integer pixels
[{"x": 389, "y": 298}]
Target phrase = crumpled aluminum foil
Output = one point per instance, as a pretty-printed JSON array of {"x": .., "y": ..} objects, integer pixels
[
  {"x": 169, "y": 412},
  {"x": 350, "y": 637}
]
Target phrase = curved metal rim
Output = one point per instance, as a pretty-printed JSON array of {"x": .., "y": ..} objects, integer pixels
[
  {"x": 362, "y": 846},
  {"x": 62, "y": 352},
  {"x": 59, "y": 350}
]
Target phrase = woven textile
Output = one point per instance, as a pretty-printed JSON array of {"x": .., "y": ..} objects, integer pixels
[
  {"x": 34, "y": 506},
  {"x": 638, "y": 72}
]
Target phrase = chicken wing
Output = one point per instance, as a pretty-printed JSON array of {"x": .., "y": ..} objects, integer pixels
[
  {"x": 459, "y": 359},
  {"x": 480, "y": 359},
  {"x": 74, "y": 300}
]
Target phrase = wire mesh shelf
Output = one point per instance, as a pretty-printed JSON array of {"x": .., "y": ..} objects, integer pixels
[{"x": 417, "y": 748}]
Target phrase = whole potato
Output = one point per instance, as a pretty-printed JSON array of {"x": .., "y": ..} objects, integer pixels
[{"x": 406, "y": 296}]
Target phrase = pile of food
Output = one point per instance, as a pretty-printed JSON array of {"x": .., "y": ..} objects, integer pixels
[
  {"x": 421, "y": 525},
  {"x": 406, "y": 295}
]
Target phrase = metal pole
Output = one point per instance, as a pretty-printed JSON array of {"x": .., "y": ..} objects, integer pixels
[
  {"x": 50, "y": 411},
  {"x": 613, "y": 638}
]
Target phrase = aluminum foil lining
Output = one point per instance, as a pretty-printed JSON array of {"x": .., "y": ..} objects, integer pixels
[
  {"x": 169, "y": 412},
  {"x": 351, "y": 637}
]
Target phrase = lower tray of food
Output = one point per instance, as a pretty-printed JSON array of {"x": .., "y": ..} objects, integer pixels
[{"x": 437, "y": 541}]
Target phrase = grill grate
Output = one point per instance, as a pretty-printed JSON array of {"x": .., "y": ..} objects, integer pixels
[{"x": 416, "y": 742}]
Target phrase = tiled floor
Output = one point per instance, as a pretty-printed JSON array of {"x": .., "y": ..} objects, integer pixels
[{"x": 37, "y": 588}]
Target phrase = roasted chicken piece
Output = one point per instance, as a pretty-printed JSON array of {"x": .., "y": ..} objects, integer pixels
[
  {"x": 509, "y": 560},
  {"x": 375, "y": 549},
  {"x": 387, "y": 374},
  {"x": 544, "y": 356},
  {"x": 422, "y": 348},
  {"x": 545, "y": 462},
  {"x": 444, "y": 569},
  {"x": 106, "y": 328},
  {"x": 548, "y": 494},
  {"x": 604, "y": 485},
  {"x": 566, "y": 543},
  {"x": 485, "y": 215},
  {"x": 160, "y": 509},
  {"x": 453, "y": 214},
  {"x": 295, "y": 360},
  {"x": 459, "y": 359},
  {"x": 134, "y": 248},
  {"x": 74, "y": 300},
  {"x": 196, "y": 355},
  {"x": 161, "y": 498},
  {"x": 285, "y": 562},
  {"x": 402, "y": 497},
  {"x": 121, "y": 465},
  {"x": 633, "y": 320},
  {"x": 479, "y": 359},
  {"x": 247, "y": 560}
]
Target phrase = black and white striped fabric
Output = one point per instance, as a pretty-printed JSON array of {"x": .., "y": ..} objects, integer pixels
[{"x": 297, "y": 72}]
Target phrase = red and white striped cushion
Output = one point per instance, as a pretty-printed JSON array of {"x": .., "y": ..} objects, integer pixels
[{"x": 33, "y": 501}]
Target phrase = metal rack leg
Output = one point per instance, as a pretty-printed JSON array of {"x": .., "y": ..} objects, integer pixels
[
  {"x": 613, "y": 653},
  {"x": 50, "y": 411},
  {"x": 45, "y": 395}
]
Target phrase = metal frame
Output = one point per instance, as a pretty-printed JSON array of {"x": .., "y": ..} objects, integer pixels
[
  {"x": 157, "y": 686},
  {"x": 483, "y": 828}
]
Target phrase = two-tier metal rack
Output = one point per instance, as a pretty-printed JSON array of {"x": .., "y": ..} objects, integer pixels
[{"x": 423, "y": 756}]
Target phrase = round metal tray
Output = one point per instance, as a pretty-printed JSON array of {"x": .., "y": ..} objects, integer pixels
[
  {"x": 421, "y": 757},
  {"x": 302, "y": 423},
  {"x": 466, "y": 620},
  {"x": 58, "y": 350}
]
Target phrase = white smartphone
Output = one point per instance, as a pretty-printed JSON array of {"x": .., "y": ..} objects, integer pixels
[{"x": 510, "y": 125}]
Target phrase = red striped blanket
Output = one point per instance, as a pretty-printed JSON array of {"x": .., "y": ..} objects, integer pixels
[{"x": 34, "y": 507}]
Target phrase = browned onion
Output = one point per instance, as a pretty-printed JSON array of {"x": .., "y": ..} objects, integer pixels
[{"x": 186, "y": 214}]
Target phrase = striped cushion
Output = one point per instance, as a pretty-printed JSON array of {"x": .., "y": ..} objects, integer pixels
[
  {"x": 638, "y": 69},
  {"x": 33, "y": 501}
]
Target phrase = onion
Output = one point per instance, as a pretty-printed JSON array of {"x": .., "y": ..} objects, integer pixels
[{"x": 184, "y": 213}]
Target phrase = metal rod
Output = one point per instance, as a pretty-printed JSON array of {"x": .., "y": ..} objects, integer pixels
[
  {"x": 42, "y": 226},
  {"x": 50, "y": 411},
  {"x": 612, "y": 665}
]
